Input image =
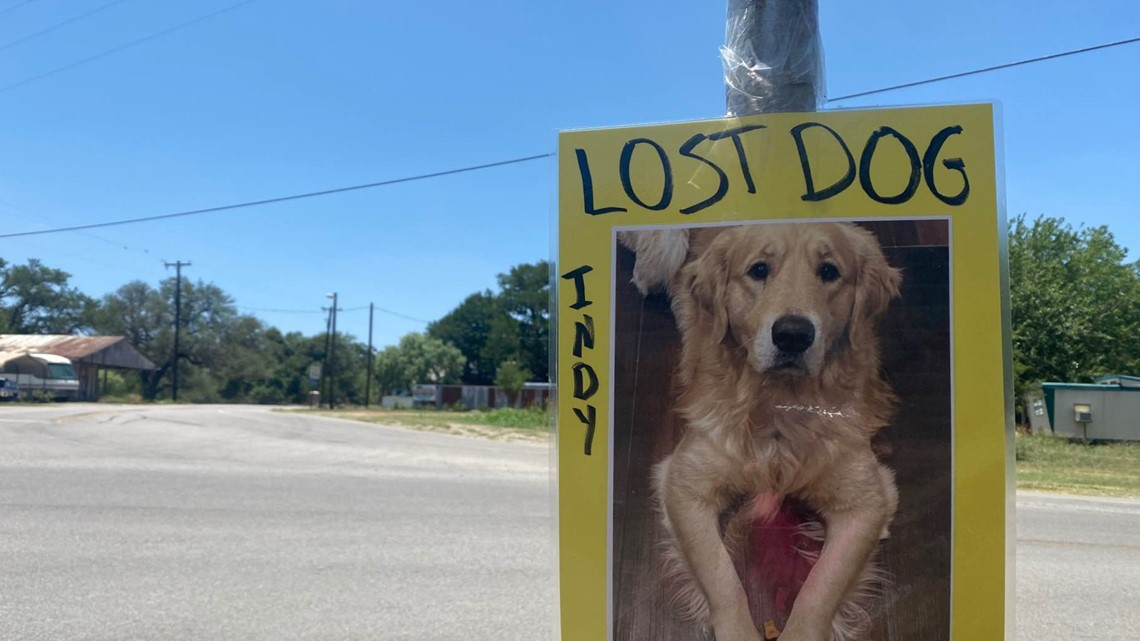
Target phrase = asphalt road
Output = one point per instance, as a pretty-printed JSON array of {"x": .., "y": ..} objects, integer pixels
[
  {"x": 1078, "y": 569},
  {"x": 216, "y": 523}
]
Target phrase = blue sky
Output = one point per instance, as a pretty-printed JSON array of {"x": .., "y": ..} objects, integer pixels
[{"x": 285, "y": 96}]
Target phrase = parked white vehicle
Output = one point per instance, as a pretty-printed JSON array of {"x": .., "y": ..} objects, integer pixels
[
  {"x": 8, "y": 389},
  {"x": 47, "y": 373}
]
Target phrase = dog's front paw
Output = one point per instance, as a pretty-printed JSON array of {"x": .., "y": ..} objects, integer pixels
[
  {"x": 795, "y": 636},
  {"x": 734, "y": 628},
  {"x": 801, "y": 633}
]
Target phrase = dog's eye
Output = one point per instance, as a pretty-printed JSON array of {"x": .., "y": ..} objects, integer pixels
[
  {"x": 759, "y": 271},
  {"x": 828, "y": 272}
]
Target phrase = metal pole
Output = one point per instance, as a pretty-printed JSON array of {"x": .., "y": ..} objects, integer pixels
[
  {"x": 773, "y": 57},
  {"x": 332, "y": 359},
  {"x": 368, "y": 376}
]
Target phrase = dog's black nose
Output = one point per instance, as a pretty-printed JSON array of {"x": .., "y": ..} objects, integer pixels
[{"x": 793, "y": 334}]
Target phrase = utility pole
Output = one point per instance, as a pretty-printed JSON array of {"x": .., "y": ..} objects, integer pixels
[
  {"x": 773, "y": 57},
  {"x": 368, "y": 376},
  {"x": 325, "y": 369},
  {"x": 332, "y": 356},
  {"x": 773, "y": 62},
  {"x": 178, "y": 265}
]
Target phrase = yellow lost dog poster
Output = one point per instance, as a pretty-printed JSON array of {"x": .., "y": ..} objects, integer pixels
[{"x": 783, "y": 400}]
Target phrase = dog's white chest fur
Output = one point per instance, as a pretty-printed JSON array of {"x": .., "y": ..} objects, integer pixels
[{"x": 788, "y": 453}]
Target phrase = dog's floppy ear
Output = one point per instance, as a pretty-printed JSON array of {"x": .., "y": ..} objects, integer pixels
[
  {"x": 703, "y": 292},
  {"x": 876, "y": 285}
]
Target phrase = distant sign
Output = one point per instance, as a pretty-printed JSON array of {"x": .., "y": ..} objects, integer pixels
[
  {"x": 314, "y": 374},
  {"x": 424, "y": 393}
]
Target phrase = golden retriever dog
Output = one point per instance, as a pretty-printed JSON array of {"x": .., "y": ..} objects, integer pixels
[{"x": 781, "y": 393}]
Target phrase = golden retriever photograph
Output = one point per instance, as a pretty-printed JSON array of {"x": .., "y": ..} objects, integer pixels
[{"x": 781, "y": 440}]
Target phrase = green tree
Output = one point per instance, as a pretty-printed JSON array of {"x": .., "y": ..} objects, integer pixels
[
  {"x": 1075, "y": 303},
  {"x": 389, "y": 371},
  {"x": 351, "y": 366},
  {"x": 245, "y": 372},
  {"x": 503, "y": 344},
  {"x": 513, "y": 324},
  {"x": 525, "y": 292},
  {"x": 35, "y": 299},
  {"x": 468, "y": 327},
  {"x": 290, "y": 355},
  {"x": 511, "y": 378},
  {"x": 224, "y": 356},
  {"x": 136, "y": 311},
  {"x": 222, "y": 353},
  {"x": 140, "y": 313},
  {"x": 418, "y": 358}
]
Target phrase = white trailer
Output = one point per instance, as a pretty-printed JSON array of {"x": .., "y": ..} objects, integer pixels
[{"x": 46, "y": 374}]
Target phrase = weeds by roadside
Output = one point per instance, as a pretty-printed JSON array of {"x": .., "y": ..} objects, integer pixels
[
  {"x": 502, "y": 423},
  {"x": 1052, "y": 464}
]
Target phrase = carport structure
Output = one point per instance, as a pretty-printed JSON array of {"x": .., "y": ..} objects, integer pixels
[{"x": 89, "y": 354}]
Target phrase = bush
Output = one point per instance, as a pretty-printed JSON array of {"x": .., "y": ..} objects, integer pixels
[
  {"x": 530, "y": 418},
  {"x": 511, "y": 378},
  {"x": 266, "y": 395},
  {"x": 122, "y": 399},
  {"x": 114, "y": 384},
  {"x": 1021, "y": 448},
  {"x": 188, "y": 394},
  {"x": 1056, "y": 464},
  {"x": 41, "y": 396}
]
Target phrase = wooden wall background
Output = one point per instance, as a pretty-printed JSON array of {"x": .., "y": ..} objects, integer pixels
[{"x": 916, "y": 350}]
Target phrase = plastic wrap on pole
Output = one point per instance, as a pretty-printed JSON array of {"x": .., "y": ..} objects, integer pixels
[
  {"x": 773, "y": 57},
  {"x": 773, "y": 62}
]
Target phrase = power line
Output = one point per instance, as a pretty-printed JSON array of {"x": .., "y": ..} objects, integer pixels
[
  {"x": 123, "y": 47},
  {"x": 399, "y": 315},
  {"x": 512, "y": 161},
  {"x": 11, "y": 8},
  {"x": 58, "y": 25},
  {"x": 274, "y": 310},
  {"x": 264, "y": 310},
  {"x": 385, "y": 311},
  {"x": 7, "y": 205},
  {"x": 1052, "y": 56},
  {"x": 280, "y": 199},
  {"x": 43, "y": 250}
]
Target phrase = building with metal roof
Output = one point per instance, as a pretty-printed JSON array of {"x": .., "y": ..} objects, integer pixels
[
  {"x": 89, "y": 354},
  {"x": 1130, "y": 382},
  {"x": 1107, "y": 410}
]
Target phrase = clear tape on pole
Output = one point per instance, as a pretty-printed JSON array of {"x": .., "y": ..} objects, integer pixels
[
  {"x": 773, "y": 57},
  {"x": 773, "y": 62}
]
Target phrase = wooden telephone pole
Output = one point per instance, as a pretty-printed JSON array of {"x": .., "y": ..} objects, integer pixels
[
  {"x": 368, "y": 376},
  {"x": 330, "y": 364},
  {"x": 177, "y": 265}
]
